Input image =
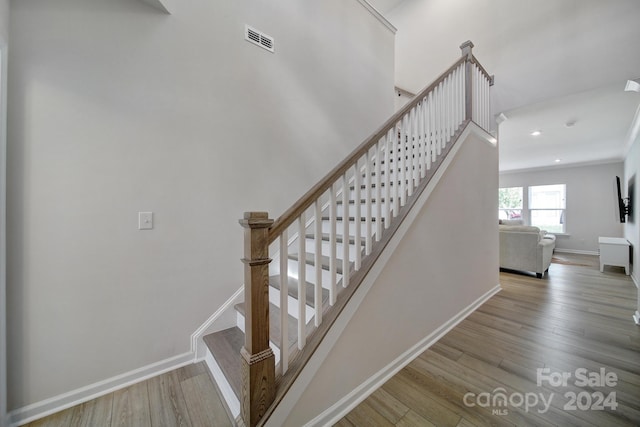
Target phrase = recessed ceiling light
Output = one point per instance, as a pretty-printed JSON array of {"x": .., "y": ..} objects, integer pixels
[
  {"x": 536, "y": 133},
  {"x": 557, "y": 160}
]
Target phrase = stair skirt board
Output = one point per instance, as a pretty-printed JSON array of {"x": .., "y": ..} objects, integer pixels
[
  {"x": 341, "y": 408},
  {"x": 49, "y": 406}
]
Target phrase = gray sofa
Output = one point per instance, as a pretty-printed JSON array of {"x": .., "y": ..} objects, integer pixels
[{"x": 526, "y": 248}]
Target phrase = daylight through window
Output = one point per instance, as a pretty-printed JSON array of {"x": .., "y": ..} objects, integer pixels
[
  {"x": 547, "y": 206},
  {"x": 510, "y": 203}
]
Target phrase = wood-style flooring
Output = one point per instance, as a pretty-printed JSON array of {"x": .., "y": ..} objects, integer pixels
[
  {"x": 183, "y": 397},
  {"x": 575, "y": 318}
]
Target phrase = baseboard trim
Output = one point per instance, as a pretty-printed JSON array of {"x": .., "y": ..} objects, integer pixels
[
  {"x": 63, "y": 401},
  {"x": 333, "y": 414},
  {"x": 576, "y": 251}
]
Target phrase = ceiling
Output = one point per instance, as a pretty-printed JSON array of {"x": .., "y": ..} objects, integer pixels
[{"x": 555, "y": 61}]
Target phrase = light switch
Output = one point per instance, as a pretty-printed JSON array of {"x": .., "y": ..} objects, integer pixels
[{"x": 145, "y": 220}]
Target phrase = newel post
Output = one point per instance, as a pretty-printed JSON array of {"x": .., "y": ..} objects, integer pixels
[
  {"x": 258, "y": 360},
  {"x": 468, "y": 79}
]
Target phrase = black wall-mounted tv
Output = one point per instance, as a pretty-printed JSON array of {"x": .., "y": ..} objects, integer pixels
[
  {"x": 622, "y": 206},
  {"x": 631, "y": 197}
]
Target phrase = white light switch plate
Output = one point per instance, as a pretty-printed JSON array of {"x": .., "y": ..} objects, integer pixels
[{"x": 145, "y": 220}]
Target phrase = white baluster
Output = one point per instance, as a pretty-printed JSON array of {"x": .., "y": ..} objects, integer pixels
[
  {"x": 422, "y": 154},
  {"x": 438, "y": 114},
  {"x": 430, "y": 131},
  {"x": 487, "y": 104},
  {"x": 387, "y": 178},
  {"x": 378, "y": 168},
  {"x": 332, "y": 246},
  {"x": 345, "y": 230},
  {"x": 485, "y": 87},
  {"x": 367, "y": 206},
  {"x": 284, "y": 301},
  {"x": 476, "y": 97},
  {"x": 317, "y": 289},
  {"x": 357, "y": 241},
  {"x": 482, "y": 99},
  {"x": 409, "y": 153},
  {"x": 403, "y": 161},
  {"x": 302, "y": 281},
  {"x": 460, "y": 94},
  {"x": 479, "y": 93},
  {"x": 454, "y": 100},
  {"x": 447, "y": 116},
  {"x": 443, "y": 119},
  {"x": 416, "y": 147},
  {"x": 393, "y": 178}
]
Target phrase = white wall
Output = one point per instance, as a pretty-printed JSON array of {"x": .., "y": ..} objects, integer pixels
[
  {"x": 4, "y": 39},
  {"x": 447, "y": 260},
  {"x": 632, "y": 227},
  {"x": 591, "y": 201},
  {"x": 117, "y": 108}
]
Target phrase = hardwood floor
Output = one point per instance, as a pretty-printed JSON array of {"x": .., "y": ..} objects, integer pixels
[
  {"x": 576, "y": 321},
  {"x": 184, "y": 397},
  {"x": 573, "y": 318}
]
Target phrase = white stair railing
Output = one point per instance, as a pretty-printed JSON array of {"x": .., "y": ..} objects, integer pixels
[{"x": 326, "y": 237}]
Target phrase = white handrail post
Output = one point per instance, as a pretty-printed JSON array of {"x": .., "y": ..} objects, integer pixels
[{"x": 466, "y": 48}]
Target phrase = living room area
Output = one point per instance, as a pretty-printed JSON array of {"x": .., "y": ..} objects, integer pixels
[{"x": 572, "y": 207}]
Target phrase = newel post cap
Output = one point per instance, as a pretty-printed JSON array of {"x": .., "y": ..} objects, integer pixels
[
  {"x": 256, "y": 220},
  {"x": 466, "y": 48}
]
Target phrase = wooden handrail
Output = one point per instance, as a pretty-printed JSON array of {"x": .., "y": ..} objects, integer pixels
[
  {"x": 291, "y": 214},
  {"x": 481, "y": 68}
]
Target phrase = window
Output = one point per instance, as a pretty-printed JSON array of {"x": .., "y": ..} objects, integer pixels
[
  {"x": 510, "y": 203},
  {"x": 547, "y": 204}
]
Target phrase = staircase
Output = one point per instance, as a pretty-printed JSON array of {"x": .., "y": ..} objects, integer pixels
[{"x": 325, "y": 244}]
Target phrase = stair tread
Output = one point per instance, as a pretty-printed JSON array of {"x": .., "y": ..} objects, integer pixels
[
  {"x": 325, "y": 237},
  {"x": 225, "y": 346},
  {"x": 293, "y": 289},
  {"x": 274, "y": 324},
  {"x": 310, "y": 260}
]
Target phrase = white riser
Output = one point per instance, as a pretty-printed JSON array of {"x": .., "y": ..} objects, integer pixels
[
  {"x": 311, "y": 274},
  {"x": 326, "y": 227},
  {"x": 326, "y": 248},
  {"x": 383, "y": 192},
  {"x": 352, "y": 210},
  {"x": 223, "y": 384},
  {"x": 292, "y": 304}
]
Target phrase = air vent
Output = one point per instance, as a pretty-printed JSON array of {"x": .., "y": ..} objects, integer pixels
[{"x": 258, "y": 38}]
